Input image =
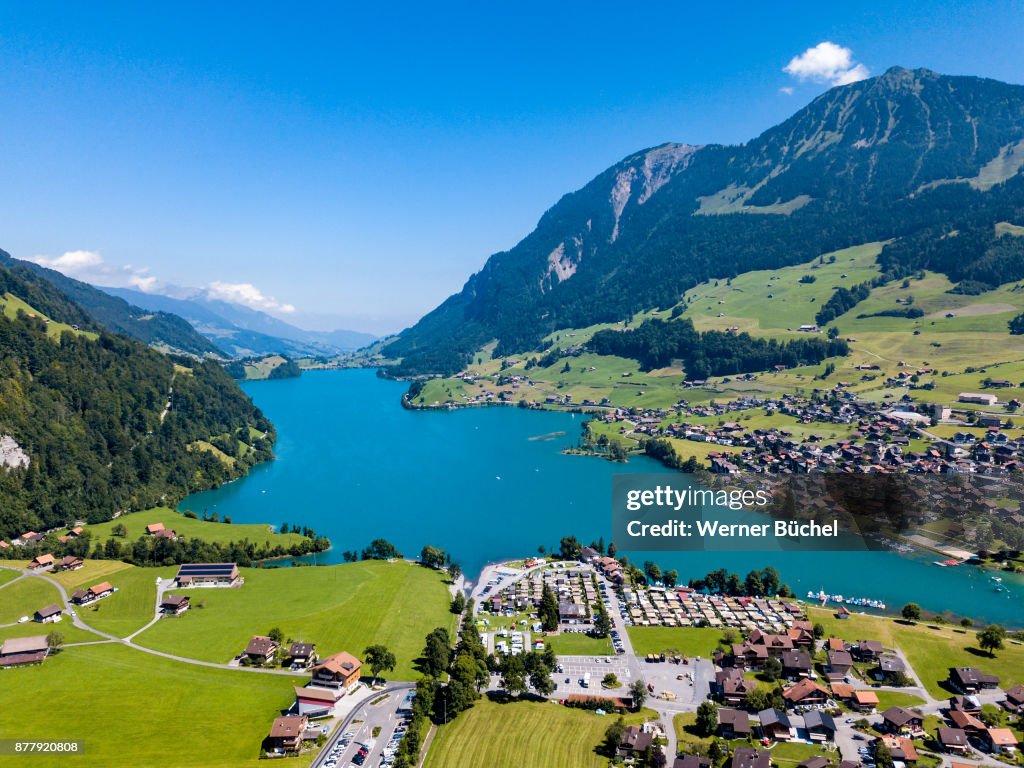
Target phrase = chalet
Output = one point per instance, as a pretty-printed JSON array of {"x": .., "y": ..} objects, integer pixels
[
  {"x": 286, "y": 734},
  {"x": 1014, "y": 698},
  {"x": 92, "y": 594},
  {"x": 864, "y": 701},
  {"x": 842, "y": 612},
  {"x": 41, "y": 563},
  {"x": 999, "y": 740},
  {"x": 260, "y": 649},
  {"x": 902, "y": 720},
  {"x": 890, "y": 666},
  {"x": 731, "y": 686},
  {"x": 818, "y": 761},
  {"x": 953, "y": 740},
  {"x": 302, "y": 655},
  {"x": 71, "y": 563},
  {"x": 48, "y": 615},
  {"x": 24, "y": 650},
  {"x": 805, "y": 692},
  {"x": 775, "y": 725},
  {"x": 867, "y": 650},
  {"x": 589, "y": 555},
  {"x": 4, "y": 544},
  {"x": 835, "y": 644},
  {"x": 820, "y": 725},
  {"x": 570, "y": 612},
  {"x": 29, "y": 537},
  {"x": 733, "y": 723},
  {"x": 839, "y": 663},
  {"x": 749, "y": 655},
  {"x": 747, "y": 757},
  {"x": 174, "y": 605},
  {"x": 900, "y": 747},
  {"x": 154, "y": 528},
  {"x": 691, "y": 761},
  {"x": 965, "y": 721},
  {"x": 971, "y": 679},
  {"x": 315, "y": 702},
  {"x": 208, "y": 575},
  {"x": 842, "y": 691},
  {"x": 340, "y": 671},
  {"x": 796, "y": 664},
  {"x": 635, "y": 741}
]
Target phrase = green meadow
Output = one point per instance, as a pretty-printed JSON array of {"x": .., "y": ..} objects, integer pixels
[
  {"x": 136, "y": 522},
  {"x": 342, "y": 607},
  {"x": 687, "y": 641}
]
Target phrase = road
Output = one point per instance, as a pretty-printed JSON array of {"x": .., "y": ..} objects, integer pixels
[{"x": 346, "y": 725}]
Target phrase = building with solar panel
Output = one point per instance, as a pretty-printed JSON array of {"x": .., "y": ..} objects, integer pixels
[{"x": 208, "y": 575}]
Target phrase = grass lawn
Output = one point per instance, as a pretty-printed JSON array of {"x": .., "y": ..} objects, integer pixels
[
  {"x": 25, "y": 598},
  {"x": 139, "y": 699},
  {"x": 136, "y": 523},
  {"x": 131, "y": 606},
  {"x": 888, "y": 699},
  {"x": 522, "y": 733},
  {"x": 6, "y": 576},
  {"x": 689, "y": 641},
  {"x": 580, "y": 645},
  {"x": 341, "y": 607},
  {"x": 791, "y": 753}
]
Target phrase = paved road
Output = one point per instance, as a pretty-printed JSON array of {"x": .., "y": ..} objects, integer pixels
[{"x": 346, "y": 724}]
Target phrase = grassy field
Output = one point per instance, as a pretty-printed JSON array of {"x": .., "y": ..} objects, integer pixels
[
  {"x": 888, "y": 699},
  {"x": 789, "y": 754},
  {"x": 11, "y": 305},
  {"x": 129, "y": 706},
  {"x": 25, "y": 598},
  {"x": 131, "y": 606},
  {"x": 343, "y": 607},
  {"x": 521, "y": 733},
  {"x": 136, "y": 522},
  {"x": 689, "y": 641},
  {"x": 6, "y": 576},
  {"x": 580, "y": 645}
]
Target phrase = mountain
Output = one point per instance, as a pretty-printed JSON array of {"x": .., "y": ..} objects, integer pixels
[
  {"x": 157, "y": 328},
  {"x": 93, "y": 422},
  {"x": 925, "y": 162},
  {"x": 242, "y": 332}
]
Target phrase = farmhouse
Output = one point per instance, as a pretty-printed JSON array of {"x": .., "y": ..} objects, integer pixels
[
  {"x": 634, "y": 741},
  {"x": 174, "y": 605},
  {"x": 154, "y": 528},
  {"x": 733, "y": 723},
  {"x": 865, "y": 701},
  {"x": 902, "y": 720},
  {"x": 41, "y": 563},
  {"x": 286, "y": 734},
  {"x": 1000, "y": 740},
  {"x": 48, "y": 615},
  {"x": 775, "y": 725},
  {"x": 1014, "y": 698},
  {"x": 820, "y": 726},
  {"x": 340, "y": 671},
  {"x": 208, "y": 575},
  {"x": 260, "y": 649},
  {"x": 93, "y": 593},
  {"x": 302, "y": 654},
  {"x": 804, "y": 693},
  {"x": 977, "y": 398},
  {"x": 71, "y": 563},
  {"x": 23, "y": 650},
  {"x": 971, "y": 679},
  {"x": 953, "y": 740}
]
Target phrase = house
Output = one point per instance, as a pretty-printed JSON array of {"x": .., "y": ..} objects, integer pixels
[
  {"x": 733, "y": 723},
  {"x": 796, "y": 664},
  {"x": 634, "y": 741},
  {"x": 570, "y": 612},
  {"x": 971, "y": 679},
  {"x": 820, "y": 725},
  {"x": 174, "y": 605},
  {"x": 842, "y": 691},
  {"x": 260, "y": 649},
  {"x": 315, "y": 702},
  {"x": 731, "y": 686},
  {"x": 890, "y": 666},
  {"x": 842, "y": 612},
  {"x": 775, "y": 725},
  {"x": 71, "y": 563},
  {"x": 978, "y": 399},
  {"x": 836, "y": 644},
  {"x": 302, "y": 655},
  {"x": 999, "y": 740},
  {"x": 41, "y": 563},
  {"x": 208, "y": 575},
  {"x": 867, "y": 650},
  {"x": 96, "y": 592},
  {"x": 900, "y": 747},
  {"x": 967, "y": 722},
  {"x": 864, "y": 701},
  {"x": 1014, "y": 701},
  {"x": 902, "y": 720},
  {"x": 286, "y": 734},
  {"x": 691, "y": 761},
  {"x": 969, "y": 704},
  {"x": 805, "y": 692},
  {"x": 48, "y": 615},
  {"x": 818, "y": 761},
  {"x": 839, "y": 663},
  {"x": 747, "y": 757},
  {"x": 953, "y": 740},
  {"x": 589, "y": 555},
  {"x": 340, "y": 671},
  {"x": 154, "y": 528},
  {"x": 24, "y": 650}
]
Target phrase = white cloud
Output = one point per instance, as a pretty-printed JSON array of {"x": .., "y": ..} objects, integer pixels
[
  {"x": 248, "y": 295},
  {"x": 70, "y": 261},
  {"x": 786, "y": 89},
  {"x": 826, "y": 63}
]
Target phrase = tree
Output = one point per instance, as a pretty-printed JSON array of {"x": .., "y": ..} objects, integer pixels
[
  {"x": 638, "y": 692},
  {"x": 432, "y": 557},
  {"x": 652, "y": 572},
  {"x": 758, "y": 699},
  {"x": 513, "y": 674},
  {"x": 991, "y": 638},
  {"x": 602, "y": 622},
  {"x": 54, "y": 640},
  {"x": 707, "y": 718},
  {"x": 458, "y": 603},
  {"x": 379, "y": 658},
  {"x": 772, "y": 669},
  {"x": 454, "y": 570},
  {"x": 276, "y": 635},
  {"x": 548, "y": 609},
  {"x": 883, "y": 757},
  {"x": 436, "y": 653},
  {"x": 670, "y": 578},
  {"x": 718, "y": 751},
  {"x": 911, "y": 612},
  {"x": 119, "y": 530},
  {"x": 965, "y": 622},
  {"x": 610, "y": 680},
  {"x": 569, "y": 548},
  {"x": 819, "y": 630},
  {"x": 613, "y": 737},
  {"x": 381, "y": 549}
]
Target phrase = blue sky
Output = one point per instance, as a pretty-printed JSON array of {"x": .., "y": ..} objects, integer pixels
[{"x": 351, "y": 165}]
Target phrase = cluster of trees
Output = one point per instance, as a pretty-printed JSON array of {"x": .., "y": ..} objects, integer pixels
[
  {"x": 662, "y": 450},
  {"x": 378, "y": 549},
  {"x": 842, "y": 301},
  {"x": 88, "y": 413},
  {"x": 1017, "y": 325},
  {"x": 758, "y": 583},
  {"x": 656, "y": 343},
  {"x": 651, "y": 757}
]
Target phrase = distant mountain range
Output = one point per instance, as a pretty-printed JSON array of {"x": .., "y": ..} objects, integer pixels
[
  {"x": 243, "y": 332},
  {"x": 924, "y": 162}
]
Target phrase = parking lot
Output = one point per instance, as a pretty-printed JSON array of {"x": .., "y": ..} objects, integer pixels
[
  {"x": 576, "y": 667},
  {"x": 357, "y": 744}
]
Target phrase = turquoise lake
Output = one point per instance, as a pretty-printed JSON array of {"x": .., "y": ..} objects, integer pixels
[{"x": 491, "y": 483}]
